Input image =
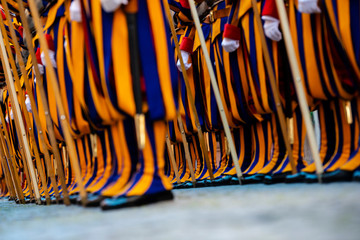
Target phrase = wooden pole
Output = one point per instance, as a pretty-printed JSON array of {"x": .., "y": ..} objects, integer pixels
[
  {"x": 49, "y": 123},
  {"x": 8, "y": 141},
  {"x": 188, "y": 90},
  {"x": 18, "y": 118},
  {"x": 22, "y": 98},
  {"x": 186, "y": 148},
  {"x": 63, "y": 121},
  {"x": 49, "y": 167},
  {"x": 304, "y": 107},
  {"x": 7, "y": 185},
  {"x": 172, "y": 159},
  {"x": 14, "y": 177},
  {"x": 23, "y": 158},
  {"x": 8, "y": 174},
  {"x": 215, "y": 89},
  {"x": 8, "y": 179},
  {"x": 10, "y": 155},
  {"x": 274, "y": 89}
]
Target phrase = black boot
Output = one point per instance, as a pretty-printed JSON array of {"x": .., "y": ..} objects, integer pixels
[
  {"x": 337, "y": 176},
  {"x": 311, "y": 178},
  {"x": 256, "y": 178},
  {"x": 276, "y": 178},
  {"x": 222, "y": 180},
  {"x": 356, "y": 176},
  {"x": 124, "y": 202},
  {"x": 94, "y": 200},
  {"x": 295, "y": 178}
]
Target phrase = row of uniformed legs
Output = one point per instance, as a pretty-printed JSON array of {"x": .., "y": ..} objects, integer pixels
[
  {"x": 112, "y": 165},
  {"x": 263, "y": 156}
]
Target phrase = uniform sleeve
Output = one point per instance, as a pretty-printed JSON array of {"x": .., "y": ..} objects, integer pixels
[
  {"x": 185, "y": 4},
  {"x": 270, "y": 9},
  {"x": 187, "y": 42},
  {"x": 231, "y": 30}
]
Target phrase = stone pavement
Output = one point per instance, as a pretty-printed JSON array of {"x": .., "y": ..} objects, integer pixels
[{"x": 281, "y": 211}]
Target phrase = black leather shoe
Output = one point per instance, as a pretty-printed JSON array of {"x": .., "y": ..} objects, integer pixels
[
  {"x": 18, "y": 201},
  {"x": 257, "y": 178},
  {"x": 73, "y": 199},
  {"x": 356, "y": 176},
  {"x": 184, "y": 185},
  {"x": 222, "y": 180},
  {"x": 337, "y": 176},
  {"x": 188, "y": 184},
  {"x": 203, "y": 183},
  {"x": 45, "y": 201},
  {"x": 311, "y": 178},
  {"x": 295, "y": 178},
  {"x": 89, "y": 196},
  {"x": 53, "y": 200},
  {"x": 59, "y": 200},
  {"x": 94, "y": 201},
  {"x": 124, "y": 202},
  {"x": 235, "y": 181},
  {"x": 276, "y": 178},
  {"x": 176, "y": 185}
]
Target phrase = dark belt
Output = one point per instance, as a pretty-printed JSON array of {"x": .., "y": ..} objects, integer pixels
[
  {"x": 214, "y": 15},
  {"x": 210, "y": 3},
  {"x": 204, "y": 7}
]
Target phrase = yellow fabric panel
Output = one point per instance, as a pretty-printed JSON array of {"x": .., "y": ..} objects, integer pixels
[
  {"x": 121, "y": 57},
  {"x": 52, "y": 14},
  {"x": 313, "y": 76},
  {"x": 158, "y": 28},
  {"x": 345, "y": 32},
  {"x": 293, "y": 30},
  {"x": 221, "y": 87},
  {"x": 77, "y": 54},
  {"x": 98, "y": 35},
  {"x": 232, "y": 98},
  {"x": 124, "y": 161}
]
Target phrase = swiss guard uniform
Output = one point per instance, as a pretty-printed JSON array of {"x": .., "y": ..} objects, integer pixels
[
  {"x": 116, "y": 68},
  {"x": 97, "y": 88},
  {"x": 137, "y": 176},
  {"x": 329, "y": 79},
  {"x": 237, "y": 91},
  {"x": 275, "y": 167}
]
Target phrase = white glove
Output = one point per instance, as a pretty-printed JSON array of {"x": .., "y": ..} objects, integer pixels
[
  {"x": 27, "y": 103},
  {"x": 271, "y": 28},
  {"x": 308, "y": 6},
  {"x": 185, "y": 56},
  {"x": 52, "y": 57},
  {"x": 41, "y": 69},
  {"x": 112, "y": 5},
  {"x": 75, "y": 11},
  {"x": 11, "y": 115},
  {"x": 230, "y": 45},
  {"x": 7, "y": 118}
]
